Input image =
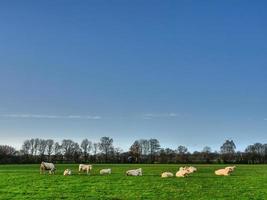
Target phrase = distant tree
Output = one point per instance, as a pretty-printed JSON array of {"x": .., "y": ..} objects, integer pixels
[
  {"x": 136, "y": 150},
  {"x": 145, "y": 146},
  {"x": 206, "y": 153},
  {"x": 49, "y": 144},
  {"x": 228, "y": 151},
  {"x": 42, "y": 147},
  {"x": 57, "y": 148},
  {"x": 94, "y": 151},
  {"x": 182, "y": 154},
  {"x": 26, "y": 147},
  {"x": 95, "y": 148},
  {"x": 68, "y": 147},
  {"x": 86, "y": 146},
  {"x": 6, "y": 150},
  {"x": 106, "y": 145},
  {"x": 154, "y": 147},
  {"x": 32, "y": 144},
  {"x": 36, "y": 145}
]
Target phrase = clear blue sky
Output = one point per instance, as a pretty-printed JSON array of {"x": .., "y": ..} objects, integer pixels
[{"x": 189, "y": 73}]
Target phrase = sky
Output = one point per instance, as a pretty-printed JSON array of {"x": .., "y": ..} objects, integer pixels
[{"x": 190, "y": 73}]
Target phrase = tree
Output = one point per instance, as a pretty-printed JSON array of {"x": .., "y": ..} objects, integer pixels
[
  {"x": 6, "y": 150},
  {"x": 206, "y": 152},
  {"x": 35, "y": 146},
  {"x": 32, "y": 142},
  {"x": 136, "y": 150},
  {"x": 86, "y": 146},
  {"x": 26, "y": 147},
  {"x": 42, "y": 147},
  {"x": 182, "y": 154},
  {"x": 49, "y": 144},
  {"x": 228, "y": 151},
  {"x": 154, "y": 147},
  {"x": 106, "y": 145},
  {"x": 69, "y": 147}
]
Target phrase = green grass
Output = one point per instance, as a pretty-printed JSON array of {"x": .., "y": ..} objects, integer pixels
[{"x": 25, "y": 182}]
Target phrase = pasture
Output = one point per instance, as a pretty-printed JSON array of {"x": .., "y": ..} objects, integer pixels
[{"x": 25, "y": 182}]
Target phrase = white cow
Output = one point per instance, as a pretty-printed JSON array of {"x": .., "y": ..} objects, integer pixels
[
  {"x": 223, "y": 172},
  {"x": 190, "y": 169},
  {"x": 67, "y": 172},
  {"x": 85, "y": 168},
  {"x": 134, "y": 172},
  {"x": 183, "y": 172},
  {"x": 47, "y": 167},
  {"x": 105, "y": 171},
  {"x": 231, "y": 168},
  {"x": 166, "y": 174}
]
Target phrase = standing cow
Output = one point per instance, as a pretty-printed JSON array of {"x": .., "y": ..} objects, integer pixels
[
  {"x": 85, "y": 168},
  {"x": 47, "y": 167}
]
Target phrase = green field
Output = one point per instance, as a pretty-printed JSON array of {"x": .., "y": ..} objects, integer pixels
[{"x": 25, "y": 182}]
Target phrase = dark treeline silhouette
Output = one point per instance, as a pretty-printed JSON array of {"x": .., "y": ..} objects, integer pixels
[{"x": 36, "y": 150}]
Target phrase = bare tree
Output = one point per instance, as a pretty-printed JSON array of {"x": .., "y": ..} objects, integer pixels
[
  {"x": 70, "y": 149},
  {"x": 228, "y": 151},
  {"x": 6, "y": 150},
  {"x": 182, "y": 154},
  {"x": 136, "y": 150},
  {"x": 206, "y": 152},
  {"x": 42, "y": 147},
  {"x": 26, "y": 147},
  {"x": 35, "y": 146},
  {"x": 86, "y": 146},
  {"x": 154, "y": 146},
  {"x": 49, "y": 144},
  {"x": 95, "y": 148},
  {"x": 32, "y": 142},
  {"x": 106, "y": 145}
]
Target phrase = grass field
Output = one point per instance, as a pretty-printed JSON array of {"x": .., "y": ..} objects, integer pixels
[{"x": 25, "y": 182}]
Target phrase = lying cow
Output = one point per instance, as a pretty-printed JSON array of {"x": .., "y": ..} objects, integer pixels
[
  {"x": 47, "y": 167},
  {"x": 189, "y": 169},
  {"x": 166, "y": 174},
  {"x": 231, "y": 168},
  {"x": 105, "y": 171},
  {"x": 85, "y": 168},
  {"x": 134, "y": 172},
  {"x": 223, "y": 172},
  {"x": 183, "y": 172},
  {"x": 67, "y": 172}
]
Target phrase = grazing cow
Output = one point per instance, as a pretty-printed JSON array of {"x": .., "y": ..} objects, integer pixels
[
  {"x": 105, "y": 171},
  {"x": 166, "y": 174},
  {"x": 67, "y": 172},
  {"x": 85, "y": 168},
  {"x": 183, "y": 172},
  {"x": 223, "y": 172},
  {"x": 47, "y": 167},
  {"x": 134, "y": 172}
]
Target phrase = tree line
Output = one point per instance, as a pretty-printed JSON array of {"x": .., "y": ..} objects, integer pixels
[{"x": 36, "y": 150}]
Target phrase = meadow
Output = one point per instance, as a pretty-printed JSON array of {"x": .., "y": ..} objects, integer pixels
[{"x": 25, "y": 182}]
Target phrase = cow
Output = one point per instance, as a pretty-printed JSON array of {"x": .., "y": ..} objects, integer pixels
[
  {"x": 105, "y": 171},
  {"x": 231, "y": 168},
  {"x": 166, "y": 174},
  {"x": 190, "y": 169},
  {"x": 134, "y": 172},
  {"x": 183, "y": 172},
  {"x": 85, "y": 168},
  {"x": 223, "y": 172},
  {"x": 47, "y": 167},
  {"x": 67, "y": 172}
]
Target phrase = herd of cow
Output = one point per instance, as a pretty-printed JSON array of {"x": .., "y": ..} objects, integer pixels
[{"x": 182, "y": 172}]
